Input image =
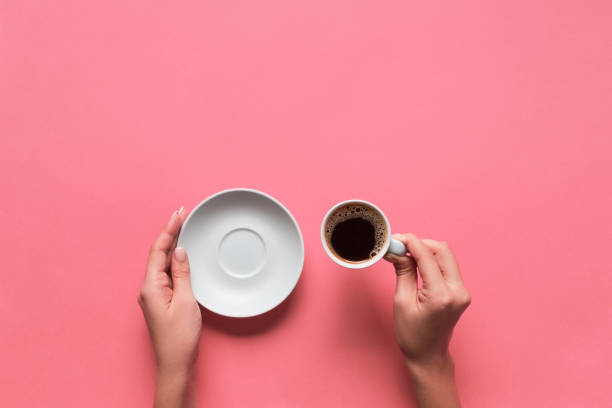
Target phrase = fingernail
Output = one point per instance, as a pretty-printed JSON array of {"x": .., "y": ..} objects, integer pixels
[
  {"x": 180, "y": 210},
  {"x": 179, "y": 254}
]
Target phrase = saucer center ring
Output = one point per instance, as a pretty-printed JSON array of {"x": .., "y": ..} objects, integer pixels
[{"x": 242, "y": 253}]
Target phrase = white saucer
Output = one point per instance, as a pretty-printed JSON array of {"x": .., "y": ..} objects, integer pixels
[{"x": 245, "y": 250}]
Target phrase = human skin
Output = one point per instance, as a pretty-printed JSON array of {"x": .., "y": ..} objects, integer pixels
[
  {"x": 424, "y": 317},
  {"x": 173, "y": 317}
]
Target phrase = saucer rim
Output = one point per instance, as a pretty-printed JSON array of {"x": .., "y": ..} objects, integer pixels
[{"x": 286, "y": 211}]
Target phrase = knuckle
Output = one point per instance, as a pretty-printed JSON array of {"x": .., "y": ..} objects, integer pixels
[
  {"x": 461, "y": 299},
  {"x": 181, "y": 271},
  {"x": 465, "y": 299},
  {"x": 445, "y": 246},
  {"x": 404, "y": 269},
  {"x": 444, "y": 301},
  {"x": 144, "y": 295}
]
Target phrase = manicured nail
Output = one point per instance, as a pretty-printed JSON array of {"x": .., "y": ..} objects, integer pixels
[
  {"x": 179, "y": 254},
  {"x": 180, "y": 210}
]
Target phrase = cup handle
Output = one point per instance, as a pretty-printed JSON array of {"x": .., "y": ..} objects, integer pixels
[{"x": 397, "y": 247}]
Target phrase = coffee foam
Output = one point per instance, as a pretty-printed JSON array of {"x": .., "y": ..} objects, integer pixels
[{"x": 362, "y": 211}]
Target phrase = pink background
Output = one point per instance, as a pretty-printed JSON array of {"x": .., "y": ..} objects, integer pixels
[{"x": 486, "y": 124}]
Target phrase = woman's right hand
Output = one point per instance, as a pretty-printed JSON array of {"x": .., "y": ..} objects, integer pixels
[{"x": 424, "y": 318}]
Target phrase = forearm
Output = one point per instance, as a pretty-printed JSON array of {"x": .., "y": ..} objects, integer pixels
[
  {"x": 434, "y": 383},
  {"x": 175, "y": 391}
]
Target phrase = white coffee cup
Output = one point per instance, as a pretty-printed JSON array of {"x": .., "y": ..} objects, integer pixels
[{"x": 390, "y": 245}]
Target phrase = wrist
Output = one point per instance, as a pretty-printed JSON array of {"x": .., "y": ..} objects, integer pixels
[
  {"x": 175, "y": 367},
  {"x": 175, "y": 388},
  {"x": 434, "y": 381},
  {"x": 436, "y": 365},
  {"x": 176, "y": 375}
]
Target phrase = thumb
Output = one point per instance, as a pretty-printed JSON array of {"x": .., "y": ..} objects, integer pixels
[
  {"x": 181, "y": 279},
  {"x": 406, "y": 272}
]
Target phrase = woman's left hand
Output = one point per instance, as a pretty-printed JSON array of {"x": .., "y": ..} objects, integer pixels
[{"x": 172, "y": 314}]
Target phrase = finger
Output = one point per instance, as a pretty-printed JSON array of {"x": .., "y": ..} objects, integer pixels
[
  {"x": 170, "y": 232},
  {"x": 183, "y": 215},
  {"x": 446, "y": 260},
  {"x": 158, "y": 256},
  {"x": 180, "y": 273},
  {"x": 406, "y": 272},
  {"x": 169, "y": 257},
  {"x": 426, "y": 262}
]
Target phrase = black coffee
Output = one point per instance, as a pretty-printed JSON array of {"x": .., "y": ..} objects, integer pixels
[
  {"x": 355, "y": 232},
  {"x": 354, "y": 239}
]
